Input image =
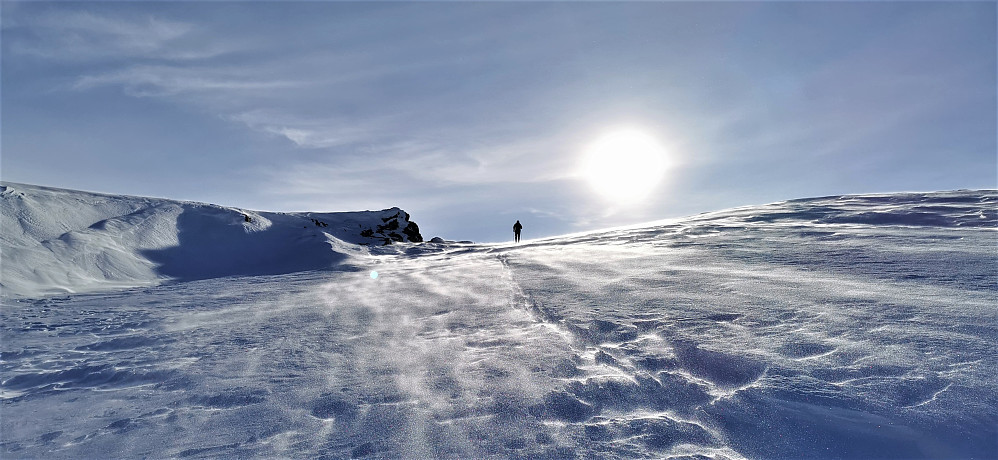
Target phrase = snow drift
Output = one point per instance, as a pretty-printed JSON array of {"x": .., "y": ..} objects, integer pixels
[{"x": 62, "y": 241}]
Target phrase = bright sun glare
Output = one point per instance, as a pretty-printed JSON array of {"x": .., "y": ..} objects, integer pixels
[{"x": 624, "y": 166}]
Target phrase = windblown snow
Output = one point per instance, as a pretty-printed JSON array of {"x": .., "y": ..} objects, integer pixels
[{"x": 840, "y": 327}]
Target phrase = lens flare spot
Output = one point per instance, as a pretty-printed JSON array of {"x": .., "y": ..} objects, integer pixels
[{"x": 374, "y": 275}]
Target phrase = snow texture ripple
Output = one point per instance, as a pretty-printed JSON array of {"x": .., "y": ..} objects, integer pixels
[{"x": 838, "y": 327}]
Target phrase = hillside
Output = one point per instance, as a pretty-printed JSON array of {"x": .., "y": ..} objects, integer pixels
[
  {"x": 63, "y": 241},
  {"x": 858, "y": 327}
]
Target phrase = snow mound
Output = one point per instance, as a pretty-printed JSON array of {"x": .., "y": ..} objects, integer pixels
[{"x": 63, "y": 241}]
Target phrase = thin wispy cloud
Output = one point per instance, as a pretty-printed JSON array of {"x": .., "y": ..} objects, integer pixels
[
  {"x": 145, "y": 81},
  {"x": 77, "y": 35},
  {"x": 315, "y": 133}
]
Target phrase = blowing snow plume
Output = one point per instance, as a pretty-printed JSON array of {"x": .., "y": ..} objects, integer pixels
[{"x": 63, "y": 241}]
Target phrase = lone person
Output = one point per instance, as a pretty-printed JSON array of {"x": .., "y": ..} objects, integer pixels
[{"x": 516, "y": 231}]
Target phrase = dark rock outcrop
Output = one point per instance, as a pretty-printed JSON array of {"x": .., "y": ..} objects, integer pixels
[
  {"x": 412, "y": 231},
  {"x": 388, "y": 231}
]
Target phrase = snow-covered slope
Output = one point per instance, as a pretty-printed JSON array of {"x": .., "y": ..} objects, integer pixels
[
  {"x": 58, "y": 241},
  {"x": 840, "y": 327}
]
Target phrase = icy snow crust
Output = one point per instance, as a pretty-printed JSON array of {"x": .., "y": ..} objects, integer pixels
[{"x": 839, "y": 327}]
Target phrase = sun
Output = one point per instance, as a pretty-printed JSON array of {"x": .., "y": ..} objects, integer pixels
[{"x": 624, "y": 166}]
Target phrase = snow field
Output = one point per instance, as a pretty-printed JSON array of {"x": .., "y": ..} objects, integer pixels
[
  {"x": 428, "y": 360},
  {"x": 803, "y": 329}
]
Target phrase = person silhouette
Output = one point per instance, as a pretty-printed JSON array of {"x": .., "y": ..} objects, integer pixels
[{"x": 516, "y": 231}]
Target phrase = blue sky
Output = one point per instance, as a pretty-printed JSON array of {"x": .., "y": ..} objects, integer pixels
[{"x": 473, "y": 115}]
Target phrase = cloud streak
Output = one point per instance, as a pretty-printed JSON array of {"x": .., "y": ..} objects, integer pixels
[
  {"x": 163, "y": 80},
  {"x": 78, "y": 35},
  {"x": 314, "y": 133}
]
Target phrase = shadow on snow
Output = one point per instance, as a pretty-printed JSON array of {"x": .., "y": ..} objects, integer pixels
[{"x": 214, "y": 243}]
